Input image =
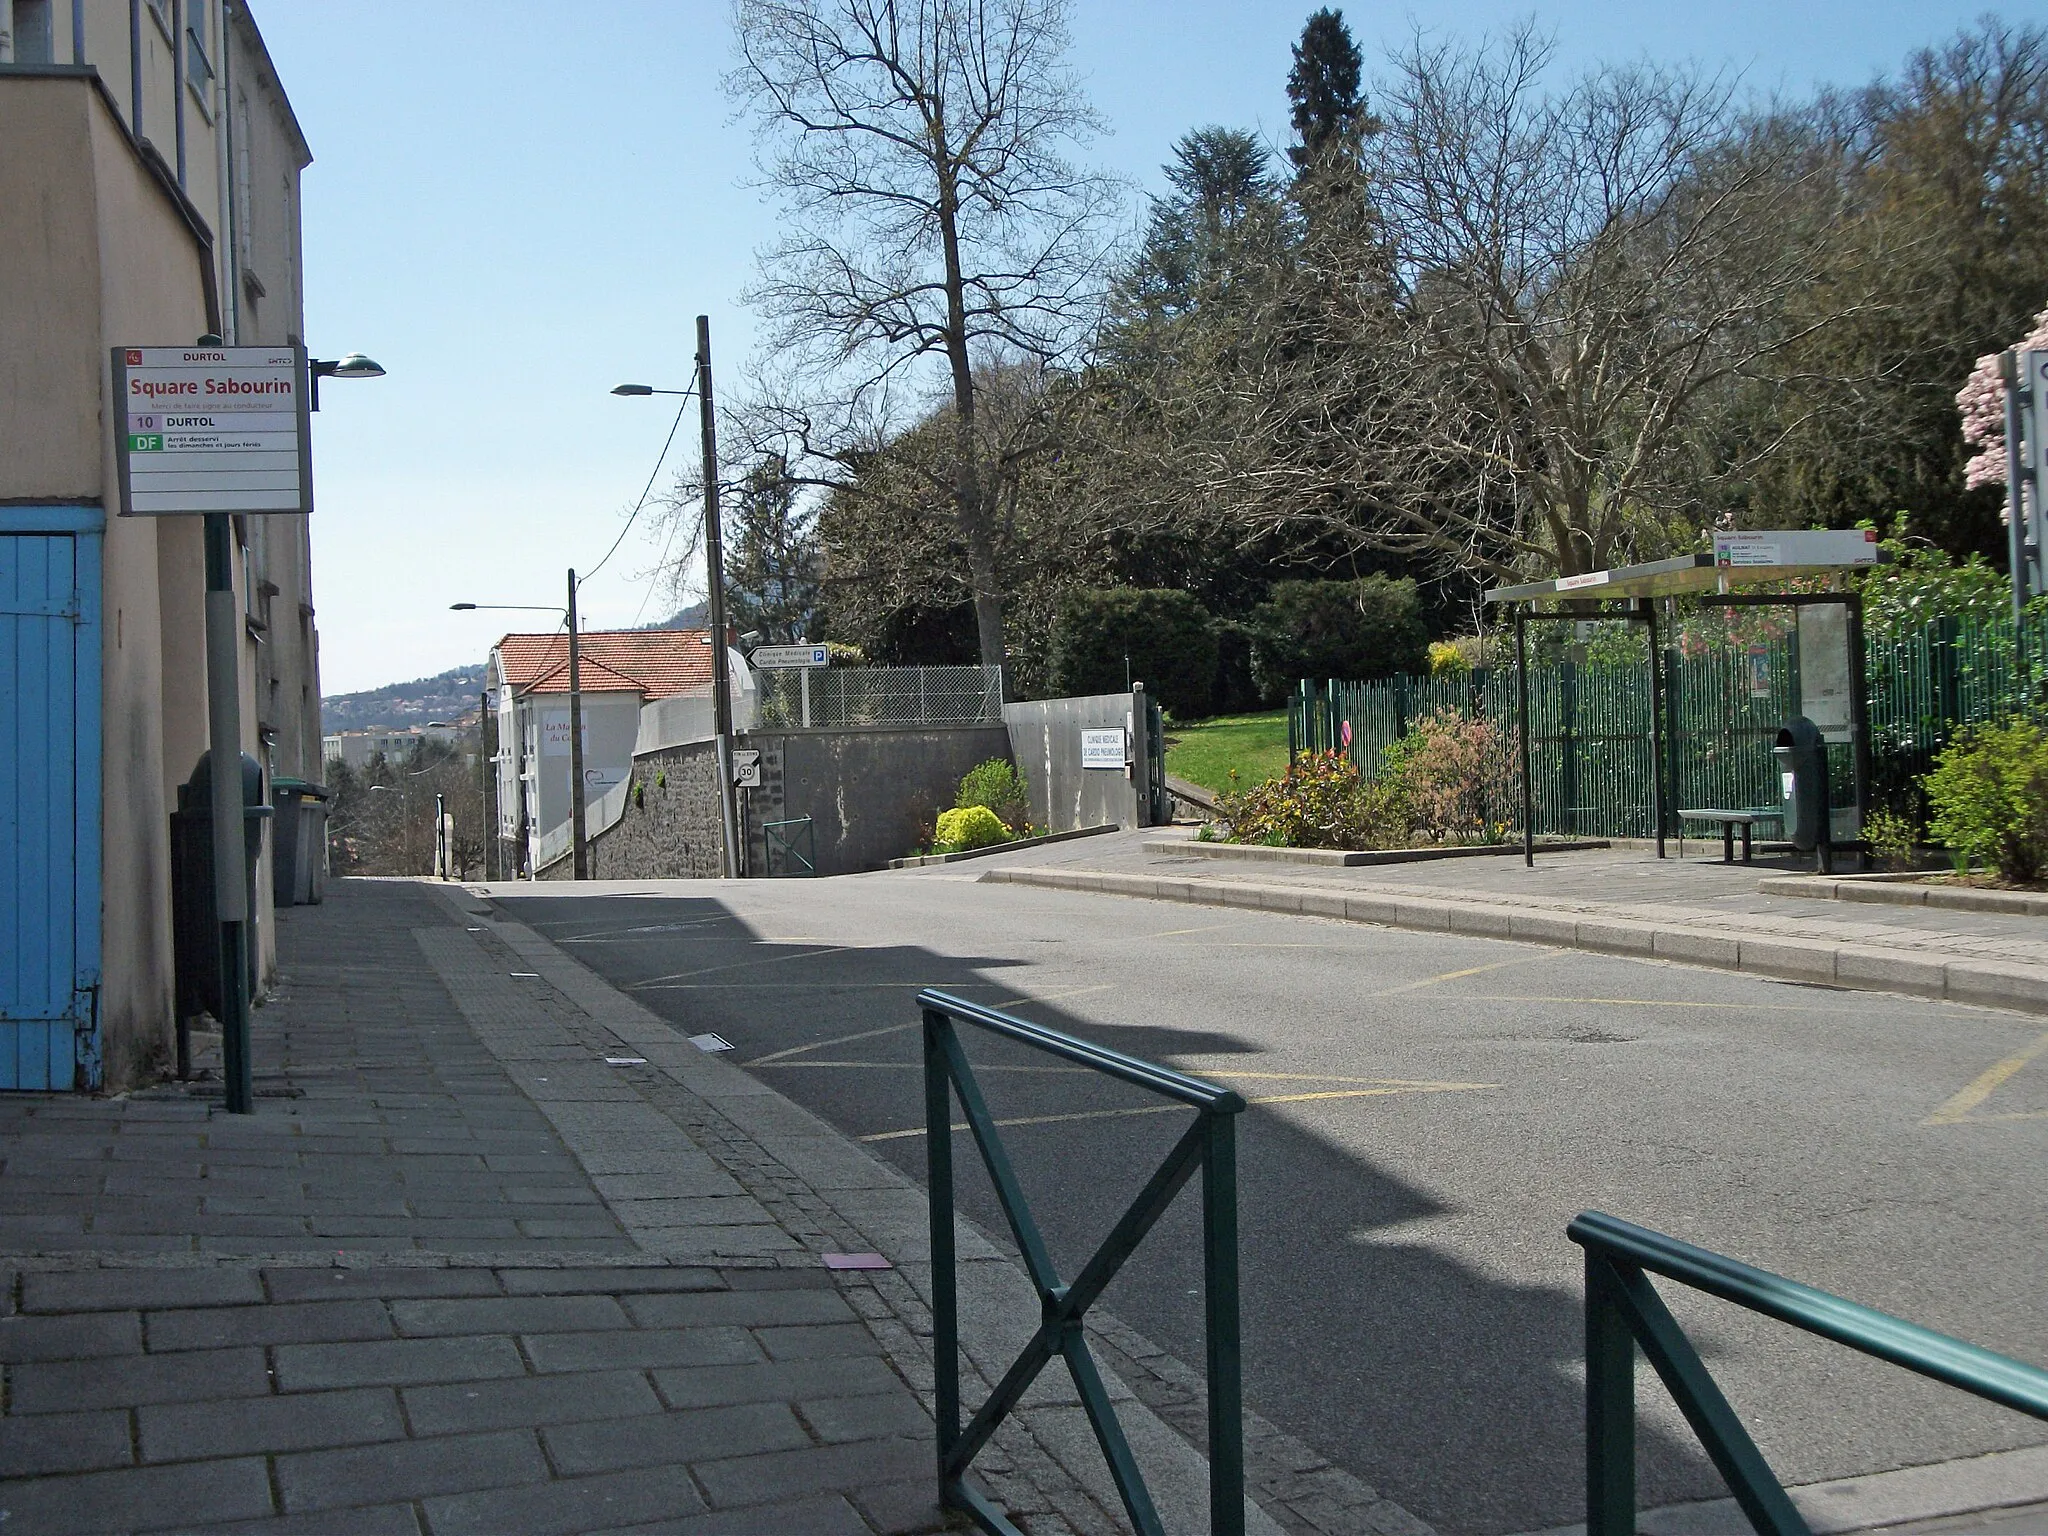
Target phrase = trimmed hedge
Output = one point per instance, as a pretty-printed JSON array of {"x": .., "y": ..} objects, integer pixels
[
  {"x": 1168, "y": 637},
  {"x": 1354, "y": 630}
]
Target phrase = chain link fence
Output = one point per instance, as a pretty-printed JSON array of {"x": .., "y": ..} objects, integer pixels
[{"x": 828, "y": 697}]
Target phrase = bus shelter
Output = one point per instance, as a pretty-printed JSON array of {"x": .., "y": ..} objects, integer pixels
[{"x": 1829, "y": 652}]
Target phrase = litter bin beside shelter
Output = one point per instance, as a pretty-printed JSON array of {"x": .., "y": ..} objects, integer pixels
[{"x": 1801, "y": 756}]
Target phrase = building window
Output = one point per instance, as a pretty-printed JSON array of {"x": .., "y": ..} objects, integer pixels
[
  {"x": 34, "y": 39},
  {"x": 198, "y": 64}
]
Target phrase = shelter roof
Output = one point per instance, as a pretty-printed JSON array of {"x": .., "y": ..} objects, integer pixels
[
  {"x": 1738, "y": 560},
  {"x": 655, "y": 663}
]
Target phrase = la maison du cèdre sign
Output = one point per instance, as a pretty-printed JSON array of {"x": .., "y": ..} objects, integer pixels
[{"x": 212, "y": 429}]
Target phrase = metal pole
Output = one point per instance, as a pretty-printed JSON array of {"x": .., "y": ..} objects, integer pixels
[
  {"x": 135, "y": 68},
  {"x": 178, "y": 84},
  {"x": 1859, "y": 723},
  {"x": 2015, "y": 499},
  {"x": 1522, "y": 732},
  {"x": 441, "y": 848},
  {"x": 1221, "y": 1304},
  {"x": 1657, "y": 807},
  {"x": 487, "y": 776},
  {"x": 1610, "y": 1407},
  {"x": 938, "y": 1150},
  {"x": 224, "y": 729},
  {"x": 714, "y": 561},
  {"x": 581, "y": 866}
]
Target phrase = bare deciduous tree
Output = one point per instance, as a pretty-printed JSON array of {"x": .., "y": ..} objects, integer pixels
[
  {"x": 1561, "y": 279},
  {"x": 937, "y": 226}
]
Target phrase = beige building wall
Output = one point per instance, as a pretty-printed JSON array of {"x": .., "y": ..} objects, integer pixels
[{"x": 100, "y": 244}]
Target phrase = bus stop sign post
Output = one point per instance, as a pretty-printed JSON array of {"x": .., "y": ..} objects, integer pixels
[{"x": 212, "y": 431}]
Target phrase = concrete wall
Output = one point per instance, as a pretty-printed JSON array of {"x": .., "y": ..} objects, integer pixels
[
  {"x": 1045, "y": 739},
  {"x": 869, "y": 791}
]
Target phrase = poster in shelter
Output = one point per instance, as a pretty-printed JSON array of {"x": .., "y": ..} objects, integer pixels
[{"x": 1824, "y": 694}]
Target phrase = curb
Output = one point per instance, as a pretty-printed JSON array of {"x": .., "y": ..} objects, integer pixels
[
  {"x": 1892, "y": 892},
  {"x": 1015, "y": 845},
  {"x": 1356, "y": 858},
  {"x": 1864, "y": 967}
]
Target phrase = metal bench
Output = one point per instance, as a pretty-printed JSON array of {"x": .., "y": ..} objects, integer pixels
[{"x": 1729, "y": 821}]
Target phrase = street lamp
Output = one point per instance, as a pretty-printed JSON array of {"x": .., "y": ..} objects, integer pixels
[
  {"x": 580, "y": 848},
  {"x": 350, "y": 365},
  {"x": 714, "y": 561}
]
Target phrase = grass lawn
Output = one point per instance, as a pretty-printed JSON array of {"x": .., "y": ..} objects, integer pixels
[{"x": 1204, "y": 753}]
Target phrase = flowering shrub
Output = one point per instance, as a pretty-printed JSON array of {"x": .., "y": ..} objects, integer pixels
[
  {"x": 1320, "y": 802},
  {"x": 1454, "y": 778},
  {"x": 974, "y": 826},
  {"x": 1982, "y": 403},
  {"x": 1449, "y": 780}
]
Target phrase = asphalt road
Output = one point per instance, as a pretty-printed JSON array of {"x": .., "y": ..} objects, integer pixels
[{"x": 1429, "y": 1111}]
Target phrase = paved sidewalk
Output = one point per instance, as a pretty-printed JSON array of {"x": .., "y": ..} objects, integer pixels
[
  {"x": 399, "y": 1298},
  {"x": 1617, "y": 901},
  {"x": 501, "y": 1252}
]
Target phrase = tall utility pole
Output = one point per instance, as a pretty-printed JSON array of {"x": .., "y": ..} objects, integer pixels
[
  {"x": 487, "y": 780},
  {"x": 714, "y": 560},
  {"x": 582, "y": 857}
]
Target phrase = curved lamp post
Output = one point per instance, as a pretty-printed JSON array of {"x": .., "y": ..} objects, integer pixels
[
  {"x": 579, "y": 844},
  {"x": 714, "y": 562}
]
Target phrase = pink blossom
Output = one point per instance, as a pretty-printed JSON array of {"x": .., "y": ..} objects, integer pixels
[{"x": 1981, "y": 401}]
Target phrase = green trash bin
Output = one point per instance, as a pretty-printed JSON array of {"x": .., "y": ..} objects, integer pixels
[
  {"x": 195, "y": 928},
  {"x": 299, "y": 849}
]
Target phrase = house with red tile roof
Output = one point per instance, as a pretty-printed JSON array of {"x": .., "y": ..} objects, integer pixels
[{"x": 621, "y": 671}]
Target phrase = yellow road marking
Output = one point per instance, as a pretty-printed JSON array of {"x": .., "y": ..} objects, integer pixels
[
  {"x": 737, "y": 965},
  {"x": 1644, "y": 1002},
  {"x": 1988, "y": 1082},
  {"x": 866, "y": 1034},
  {"x": 1174, "y": 933},
  {"x": 891, "y": 1029},
  {"x": 908, "y": 1066},
  {"x": 1250, "y": 944},
  {"x": 1164, "y": 1109},
  {"x": 1430, "y": 981}
]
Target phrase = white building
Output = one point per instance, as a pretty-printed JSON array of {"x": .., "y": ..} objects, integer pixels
[{"x": 621, "y": 670}]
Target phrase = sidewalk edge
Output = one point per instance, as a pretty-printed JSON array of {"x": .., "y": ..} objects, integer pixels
[{"x": 1862, "y": 967}]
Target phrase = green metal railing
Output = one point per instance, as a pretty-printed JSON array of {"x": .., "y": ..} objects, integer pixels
[
  {"x": 1208, "y": 1146},
  {"x": 795, "y": 840},
  {"x": 1624, "y": 1311},
  {"x": 1727, "y": 690}
]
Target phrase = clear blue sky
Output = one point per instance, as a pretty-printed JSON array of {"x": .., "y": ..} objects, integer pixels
[{"x": 515, "y": 206}]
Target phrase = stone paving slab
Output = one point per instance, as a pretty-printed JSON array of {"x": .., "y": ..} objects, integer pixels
[{"x": 395, "y": 1299}]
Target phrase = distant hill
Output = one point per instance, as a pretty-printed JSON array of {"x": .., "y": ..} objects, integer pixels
[
  {"x": 440, "y": 697},
  {"x": 396, "y": 705}
]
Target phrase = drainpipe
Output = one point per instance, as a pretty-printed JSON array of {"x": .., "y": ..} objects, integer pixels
[{"x": 135, "y": 68}]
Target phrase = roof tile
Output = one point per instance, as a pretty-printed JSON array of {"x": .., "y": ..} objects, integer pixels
[{"x": 656, "y": 663}]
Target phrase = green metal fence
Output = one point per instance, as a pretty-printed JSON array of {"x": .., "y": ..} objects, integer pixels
[
  {"x": 1729, "y": 683},
  {"x": 1207, "y": 1149},
  {"x": 1625, "y": 1313}
]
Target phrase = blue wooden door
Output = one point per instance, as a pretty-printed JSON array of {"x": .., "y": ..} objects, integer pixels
[{"x": 49, "y": 810}]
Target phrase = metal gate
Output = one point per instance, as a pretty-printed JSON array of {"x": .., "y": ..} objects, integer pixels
[{"x": 49, "y": 806}]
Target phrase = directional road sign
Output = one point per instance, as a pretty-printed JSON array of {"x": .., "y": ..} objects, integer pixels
[{"x": 777, "y": 657}]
